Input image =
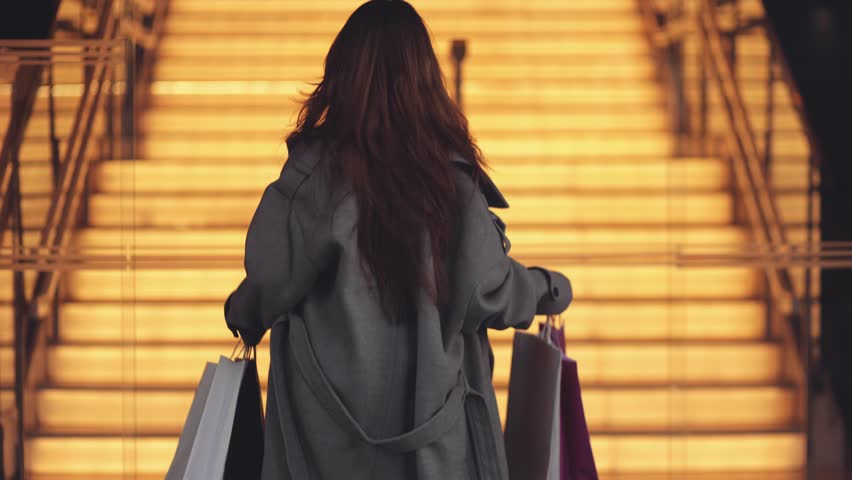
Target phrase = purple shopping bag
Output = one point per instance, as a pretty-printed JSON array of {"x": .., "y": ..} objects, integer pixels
[{"x": 577, "y": 461}]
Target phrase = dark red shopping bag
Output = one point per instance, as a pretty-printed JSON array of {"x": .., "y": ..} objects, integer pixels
[{"x": 577, "y": 461}]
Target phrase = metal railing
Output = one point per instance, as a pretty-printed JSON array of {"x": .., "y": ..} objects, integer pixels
[
  {"x": 713, "y": 28},
  {"x": 25, "y": 86},
  {"x": 99, "y": 42},
  {"x": 458, "y": 52},
  {"x": 31, "y": 322}
]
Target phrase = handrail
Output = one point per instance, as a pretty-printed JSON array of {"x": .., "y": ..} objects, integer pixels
[
  {"x": 763, "y": 210},
  {"x": 68, "y": 194},
  {"x": 97, "y": 50},
  {"x": 788, "y": 316},
  {"x": 25, "y": 88},
  {"x": 758, "y": 195},
  {"x": 66, "y": 198},
  {"x": 804, "y": 342}
]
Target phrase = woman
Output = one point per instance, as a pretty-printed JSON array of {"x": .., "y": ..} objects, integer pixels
[{"x": 376, "y": 263}]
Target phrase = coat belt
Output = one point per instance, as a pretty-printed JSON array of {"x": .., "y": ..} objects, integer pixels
[{"x": 460, "y": 400}]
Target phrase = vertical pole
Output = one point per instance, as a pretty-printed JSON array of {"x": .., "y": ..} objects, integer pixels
[
  {"x": 54, "y": 140},
  {"x": 109, "y": 114},
  {"x": 704, "y": 104},
  {"x": 54, "y": 155},
  {"x": 459, "y": 51},
  {"x": 128, "y": 108},
  {"x": 808, "y": 324},
  {"x": 767, "y": 159},
  {"x": 675, "y": 55},
  {"x": 770, "y": 110},
  {"x": 20, "y": 312}
]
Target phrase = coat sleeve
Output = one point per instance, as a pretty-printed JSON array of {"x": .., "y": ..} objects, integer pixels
[
  {"x": 511, "y": 294},
  {"x": 282, "y": 246}
]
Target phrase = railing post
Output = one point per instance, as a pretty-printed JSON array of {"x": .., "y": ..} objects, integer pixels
[
  {"x": 109, "y": 117},
  {"x": 674, "y": 53},
  {"x": 19, "y": 308},
  {"x": 459, "y": 51},
  {"x": 809, "y": 360},
  {"x": 770, "y": 112},
  {"x": 129, "y": 101},
  {"x": 128, "y": 106},
  {"x": 54, "y": 139},
  {"x": 676, "y": 63},
  {"x": 704, "y": 104}
]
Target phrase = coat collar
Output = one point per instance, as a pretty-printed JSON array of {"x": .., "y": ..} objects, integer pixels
[{"x": 492, "y": 194}]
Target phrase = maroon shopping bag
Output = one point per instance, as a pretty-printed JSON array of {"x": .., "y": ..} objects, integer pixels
[{"x": 577, "y": 461}]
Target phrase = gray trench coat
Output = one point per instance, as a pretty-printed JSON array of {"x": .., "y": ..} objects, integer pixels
[{"x": 352, "y": 395}]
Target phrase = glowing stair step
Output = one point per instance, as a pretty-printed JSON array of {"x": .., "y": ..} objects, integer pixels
[
  {"x": 164, "y": 176},
  {"x": 527, "y": 92},
  {"x": 525, "y": 238},
  {"x": 442, "y": 24},
  {"x": 34, "y": 209},
  {"x": 481, "y": 64},
  {"x": 590, "y": 282},
  {"x": 6, "y": 286},
  {"x": 116, "y": 210},
  {"x": 307, "y": 69},
  {"x": 163, "y": 122},
  {"x": 7, "y": 374},
  {"x": 749, "y": 69},
  {"x": 673, "y": 409},
  {"x": 113, "y": 210},
  {"x": 539, "y": 144},
  {"x": 62, "y": 103},
  {"x": 525, "y": 208},
  {"x": 753, "y": 92},
  {"x": 521, "y": 144},
  {"x": 39, "y": 124},
  {"x": 542, "y": 86},
  {"x": 613, "y": 452},
  {"x": 271, "y": 46},
  {"x": 654, "y": 409},
  {"x": 602, "y": 363},
  {"x": 229, "y": 119},
  {"x": 66, "y": 78},
  {"x": 480, "y": 67},
  {"x": 425, "y": 8},
  {"x": 690, "y": 174},
  {"x": 174, "y": 323},
  {"x": 36, "y": 179}
]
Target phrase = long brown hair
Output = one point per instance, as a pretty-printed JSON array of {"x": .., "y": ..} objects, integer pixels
[{"x": 383, "y": 111}]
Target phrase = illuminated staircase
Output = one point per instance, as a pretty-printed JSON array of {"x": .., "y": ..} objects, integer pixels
[{"x": 678, "y": 375}]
